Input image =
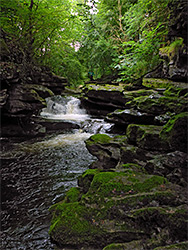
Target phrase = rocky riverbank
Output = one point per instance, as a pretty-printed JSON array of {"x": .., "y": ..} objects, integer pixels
[
  {"x": 135, "y": 195},
  {"x": 24, "y": 87}
]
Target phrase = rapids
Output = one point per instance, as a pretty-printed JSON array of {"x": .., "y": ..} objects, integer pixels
[{"x": 37, "y": 173}]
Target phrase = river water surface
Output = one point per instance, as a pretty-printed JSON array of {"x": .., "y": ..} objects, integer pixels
[{"x": 37, "y": 173}]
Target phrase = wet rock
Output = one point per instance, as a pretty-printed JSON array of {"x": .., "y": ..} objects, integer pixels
[
  {"x": 22, "y": 130},
  {"x": 173, "y": 166},
  {"x": 102, "y": 99},
  {"x": 23, "y": 99},
  {"x": 55, "y": 125},
  {"x": 146, "y": 137},
  {"x": 175, "y": 132},
  {"x": 179, "y": 246},
  {"x": 127, "y": 116},
  {"x": 126, "y": 206},
  {"x": 157, "y": 104},
  {"x": 105, "y": 149},
  {"x": 55, "y": 83},
  {"x": 134, "y": 154},
  {"x": 136, "y": 245}
]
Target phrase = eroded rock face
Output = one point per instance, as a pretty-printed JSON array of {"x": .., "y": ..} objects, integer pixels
[
  {"x": 174, "y": 166},
  {"x": 177, "y": 64},
  {"x": 134, "y": 195},
  {"x": 154, "y": 105},
  {"x": 102, "y": 99},
  {"x": 24, "y": 87},
  {"x": 175, "y": 132}
]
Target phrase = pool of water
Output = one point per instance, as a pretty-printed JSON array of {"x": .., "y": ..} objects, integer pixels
[{"x": 37, "y": 173}]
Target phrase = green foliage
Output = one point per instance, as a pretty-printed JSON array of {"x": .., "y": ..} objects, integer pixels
[
  {"x": 146, "y": 28},
  {"x": 47, "y": 31},
  {"x": 122, "y": 36},
  {"x": 173, "y": 48}
]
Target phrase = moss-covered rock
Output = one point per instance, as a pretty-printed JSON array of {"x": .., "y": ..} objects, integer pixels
[
  {"x": 24, "y": 98},
  {"x": 173, "y": 166},
  {"x": 72, "y": 225},
  {"x": 108, "y": 183},
  {"x": 146, "y": 137},
  {"x": 84, "y": 181},
  {"x": 106, "y": 149},
  {"x": 72, "y": 195},
  {"x": 175, "y": 132},
  {"x": 158, "y": 104},
  {"x": 162, "y": 83},
  {"x": 178, "y": 246},
  {"x": 136, "y": 245},
  {"x": 98, "y": 138},
  {"x": 102, "y": 99},
  {"x": 118, "y": 207}
]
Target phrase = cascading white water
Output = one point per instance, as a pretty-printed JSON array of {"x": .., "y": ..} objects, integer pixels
[
  {"x": 64, "y": 108},
  {"x": 68, "y": 109},
  {"x": 42, "y": 171}
]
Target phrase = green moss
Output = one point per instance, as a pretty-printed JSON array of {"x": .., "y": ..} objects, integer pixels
[
  {"x": 170, "y": 124},
  {"x": 98, "y": 138},
  {"x": 114, "y": 246},
  {"x": 129, "y": 167},
  {"x": 105, "y": 87},
  {"x": 37, "y": 97},
  {"x": 172, "y": 49},
  {"x": 107, "y": 184},
  {"x": 132, "y": 200},
  {"x": 179, "y": 246},
  {"x": 175, "y": 132},
  {"x": 157, "y": 83},
  {"x": 171, "y": 215},
  {"x": 157, "y": 104},
  {"x": 72, "y": 195},
  {"x": 144, "y": 136},
  {"x": 172, "y": 91},
  {"x": 90, "y": 172},
  {"x": 133, "y": 245},
  {"x": 84, "y": 181},
  {"x": 71, "y": 218}
]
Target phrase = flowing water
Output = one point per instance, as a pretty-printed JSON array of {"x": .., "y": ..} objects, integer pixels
[{"x": 37, "y": 173}]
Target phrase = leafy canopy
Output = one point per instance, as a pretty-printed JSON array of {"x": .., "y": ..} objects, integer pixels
[{"x": 73, "y": 37}]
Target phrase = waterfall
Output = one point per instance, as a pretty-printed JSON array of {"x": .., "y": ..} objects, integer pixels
[
  {"x": 42, "y": 171},
  {"x": 68, "y": 109},
  {"x": 64, "y": 108}
]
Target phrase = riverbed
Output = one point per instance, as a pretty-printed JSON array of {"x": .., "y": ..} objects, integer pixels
[{"x": 37, "y": 173}]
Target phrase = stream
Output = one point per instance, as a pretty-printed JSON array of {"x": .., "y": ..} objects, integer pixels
[{"x": 36, "y": 174}]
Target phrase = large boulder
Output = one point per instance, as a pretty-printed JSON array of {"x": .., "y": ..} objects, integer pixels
[
  {"x": 24, "y": 98},
  {"x": 175, "y": 132},
  {"x": 173, "y": 166},
  {"x": 127, "y": 116},
  {"x": 102, "y": 99},
  {"x": 146, "y": 137},
  {"x": 120, "y": 207},
  {"x": 106, "y": 149}
]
